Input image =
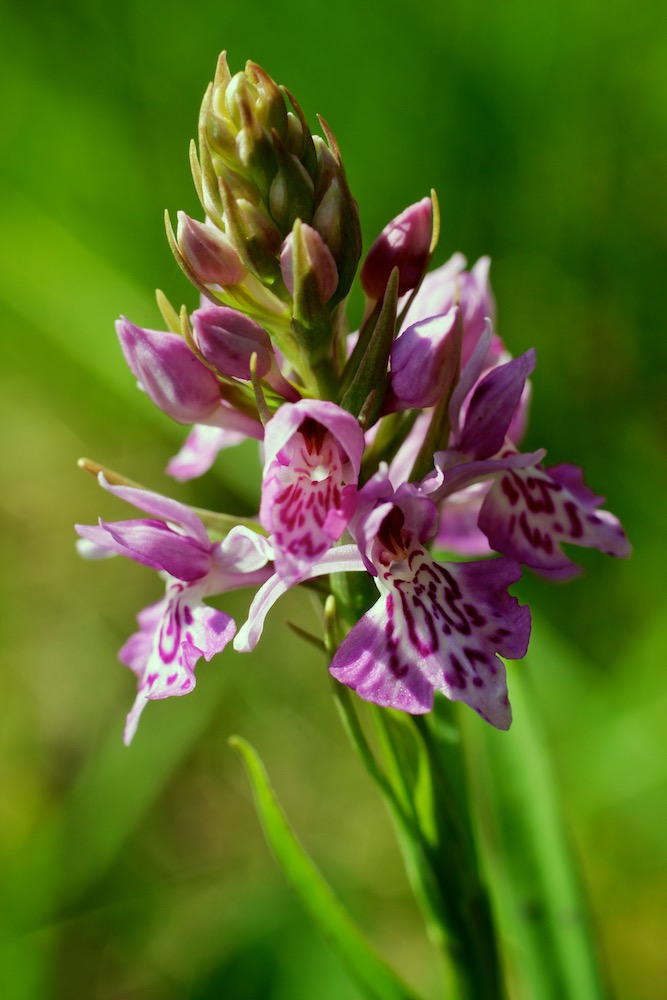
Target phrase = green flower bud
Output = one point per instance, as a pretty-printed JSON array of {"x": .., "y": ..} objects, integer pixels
[{"x": 292, "y": 193}]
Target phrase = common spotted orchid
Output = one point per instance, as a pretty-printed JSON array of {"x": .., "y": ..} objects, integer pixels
[
  {"x": 179, "y": 629},
  {"x": 372, "y": 454}
]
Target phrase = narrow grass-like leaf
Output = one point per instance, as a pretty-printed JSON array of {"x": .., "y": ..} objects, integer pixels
[
  {"x": 537, "y": 887},
  {"x": 369, "y": 970}
]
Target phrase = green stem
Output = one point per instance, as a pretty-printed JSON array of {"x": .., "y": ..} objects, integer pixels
[{"x": 426, "y": 763}]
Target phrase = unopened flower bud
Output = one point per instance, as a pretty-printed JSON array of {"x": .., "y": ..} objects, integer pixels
[
  {"x": 208, "y": 252},
  {"x": 165, "y": 367},
  {"x": 228, "y": 339},
  {"x": 317, "y": 259},
  {"x": 425, "y": 361},
  {"x": 292, "y": 194},
  {"x": 404, "y": 243}
]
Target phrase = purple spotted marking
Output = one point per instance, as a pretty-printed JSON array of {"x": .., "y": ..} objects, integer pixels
[
  {"x": 531, "y": 511},
  {"x": 435, "y": 627}
]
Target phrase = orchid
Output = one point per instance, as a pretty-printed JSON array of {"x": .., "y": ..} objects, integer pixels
[
  {"x": 377, "y": 449},
  {"x": 176, "y": 631},
  {"x": 312, "y": 456},
  {"x": 436, "y": 626}
]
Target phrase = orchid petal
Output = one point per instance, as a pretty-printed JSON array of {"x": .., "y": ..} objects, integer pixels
[
  {"x": 174, "y": 633},
  {"x": 342, "y": 559},
  {"x": 200, "y": 450},
  {"x": 437, "y": 627},
  {"x": 459, "y": 474},
  {"x": 161, "y": 507},
  {"x": 470, "y": 374},
  {"x": 492, "y": 406},
  {"x": 154, "y": 544},
  {"x": 313, "y": 451},
  {"x": 529, "y": 512}
]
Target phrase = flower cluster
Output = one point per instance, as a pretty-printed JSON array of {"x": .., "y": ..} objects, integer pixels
[{"x": 380, "y": 447}]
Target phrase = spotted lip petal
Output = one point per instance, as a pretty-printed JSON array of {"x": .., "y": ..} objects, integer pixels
[
  {"x": 437, "y": 627},
  {"x": 313, "y": 454},
  {"x": 529, "y": 512},
  {"x": 173, "y": 635}
]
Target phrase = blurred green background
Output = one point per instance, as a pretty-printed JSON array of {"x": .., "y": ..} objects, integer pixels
[{"x": 141, "y": 873}]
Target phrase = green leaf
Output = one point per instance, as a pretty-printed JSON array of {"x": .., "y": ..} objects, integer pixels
[
  {"x": 368, "y": 969},
  {"x": 537, "y": 888}
]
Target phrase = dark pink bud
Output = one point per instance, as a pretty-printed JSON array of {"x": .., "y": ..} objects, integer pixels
[
  {"x": 165, "y": 367},
  {"x": 404, "y": 244},
  {"x": 208, "y": 252},
  {"x": 228, "y": 339}
]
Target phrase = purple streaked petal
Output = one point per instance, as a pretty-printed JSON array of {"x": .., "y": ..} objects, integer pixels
[
  {"x": 313, "y": 450},
  {"x": 406, "y": 456},
  {"x": 529, "y": 512},
  {"x": 173, "y": 635},
  {"x": 154, "y": 544},
  {"x": 459, "y": 474},
  {"x": 160, "y": 507},
  {"x": 437, "y": 291},
  {"x": 342, "y": 559},
  {"x": 95, "y": 542},
  {"x": 228, "y": 338},
  {"x": 200, "y": 450},
  {"x": 403, "y": 243},
  {"x": 437, "y": 627},
  {"x": 492, "y": 406},
  {"x": 458, "y": 530},
  {"x": 341, "y": 424},
  {"x": 227, "y": 418}
]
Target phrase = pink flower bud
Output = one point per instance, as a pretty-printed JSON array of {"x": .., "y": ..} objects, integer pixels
[
  {"x": 404, "y": 244},
  {"x": 228, "y": 339},
  {"x": 425, "y": 360},
  {"x": 318, "y": 261},
  {"x": 208, "y": 252},
  {"x": 167, "y": 370}
]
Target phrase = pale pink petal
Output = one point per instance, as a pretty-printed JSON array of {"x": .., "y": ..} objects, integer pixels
[
  {"x": 342, "y": 559},
  {"x": 173, "y": 635},
  {"x": 200, "y": 450}
]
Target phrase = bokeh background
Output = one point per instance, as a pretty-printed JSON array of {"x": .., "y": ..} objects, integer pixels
[{"x": 142, "y": 874}]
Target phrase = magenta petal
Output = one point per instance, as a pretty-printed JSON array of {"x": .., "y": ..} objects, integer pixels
[
  {"x": 165, "y": 367},
  {"x": 341, "y": 424},
  {"x": 403, "y": 243},
  {"x": 313, "y": 450},
  {"x": 528, "y": 514},
  {"x": 160, "y": 507},
  {"x": 228, "y": 338},
  {"x": 492, "y": 406},
  {"x": 458, "y": 530},
  {"x": 154, "y": 544},
  {"x": 424, "y": 360},
  {"x": 437, "y": 627}
]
